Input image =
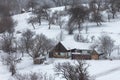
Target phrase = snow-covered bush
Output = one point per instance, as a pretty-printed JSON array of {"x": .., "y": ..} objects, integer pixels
[
  {"x": 105, "y": 45},
  {"x": 11, "y": 60},
  {"x": 36, "y": 46},
  {"x": 33, "y": 76},
  {"x": 60, "y": 36},
  {"x": 76, "y": 71},
  {"x": 80, "y": 38}
]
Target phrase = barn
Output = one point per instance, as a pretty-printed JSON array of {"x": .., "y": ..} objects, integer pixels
[{"x": 73, "y": 50}]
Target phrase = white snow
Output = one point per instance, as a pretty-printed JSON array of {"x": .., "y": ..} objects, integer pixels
[
  {"x": 76, "y": 45},
  {"x": 96, "y": 68}
]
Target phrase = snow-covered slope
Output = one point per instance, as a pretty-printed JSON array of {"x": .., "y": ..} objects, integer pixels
[
  {"x": 100, "y": 70},
  {"x": 110, "y": 28},
  {"x": 96, "y": 67},
  {"x": 23, "y": 25}
]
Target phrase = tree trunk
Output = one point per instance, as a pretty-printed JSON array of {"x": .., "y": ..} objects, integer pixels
[
  {"x": 33, "y": 26},
  {"x": 49, "y": 26}
]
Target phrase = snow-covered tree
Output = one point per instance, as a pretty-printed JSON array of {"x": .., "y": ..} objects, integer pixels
[
  {"x": 106, "y": 45},
  {"x": 77, "y": 71},
  {"x": 26, "y": 40}
]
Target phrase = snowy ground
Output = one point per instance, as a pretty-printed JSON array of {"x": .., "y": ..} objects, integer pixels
[
  {"x": 100, "y": 69},
  {"x": 96, "y": 69}
]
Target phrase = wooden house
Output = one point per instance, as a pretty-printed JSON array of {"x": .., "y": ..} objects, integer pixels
[
  {"x": 73, "y": 50},
  {"x": 59, "y": 51}
]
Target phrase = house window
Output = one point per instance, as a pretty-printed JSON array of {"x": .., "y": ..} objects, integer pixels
[
  {"x": 88, "y": 51},
  {"x": 57, "y": 53},
  {"x": 80, "y": 51},
  {"x": 62, "y": 54},
  {"x": 84, "y": 52}
]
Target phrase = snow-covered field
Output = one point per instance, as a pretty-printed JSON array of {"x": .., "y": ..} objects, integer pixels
[
  {"x": 100, "y": 69},
  {"x": 96, "y": 68},
  {"x": 110, "y": 28}
]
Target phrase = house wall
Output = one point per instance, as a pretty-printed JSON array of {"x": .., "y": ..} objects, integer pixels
[
  {"x": 84, "y": 52},
  {"x": 61, "y": 55},
  {"x": 59, "y": 51},
  {"x": 86, "y": 55},
  {"x": 78, "y": 56},
  {"x": 95, "y": 56}
]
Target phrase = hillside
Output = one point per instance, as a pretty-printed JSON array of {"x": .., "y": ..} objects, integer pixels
[
  {"x": 107, "y": 28},
  {"x": 99, "y": 69}
]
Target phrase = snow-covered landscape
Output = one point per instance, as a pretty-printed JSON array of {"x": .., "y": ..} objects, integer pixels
[
  {"x": 103, "y": 69},
  {"x": 106, "y": 67}
]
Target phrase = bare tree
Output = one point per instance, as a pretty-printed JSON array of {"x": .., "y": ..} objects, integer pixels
[
  {"x": 78, "y": 71},
  {"x": 95, "y": 8},
  {"x": 50, "y": 21},
  {"x": 32, "y": 4},
  {"x": 118, "y": 5},
  {"x": 7, "y": 24},
  {"x": 6, "y": 21},
  {"x": 86, "y": 28},
  {"x": 39, "y": 13},
  {"x": 49, "y": 44},
  {"x": 7, "y": 42},
  {"x": 97, "y": 17},
  {"x": 26, "y": 40},
  {"x": 66, "y": 3},
  {"x": 33, "y": 21},
  {"x": 11, "y": 60},
  {"x": 109, "y": 15},
  {"x": 92, "y": 38},
  {"x": 21, "y": 47},
  {"x": 78, "y": 15},
  {"x": 58, "y": 2},
  {"x": 113, "y": 8},
  {"x": 33, "y": 76},
  {"x": 75, "y": 3},
  {"x": 70, "y": 27},
  {"x": 40, "y": 45},
  {"x": 37, "y": 48},
  {"x": 10, "y": 48},
  {"x": 106, "y": 45}
]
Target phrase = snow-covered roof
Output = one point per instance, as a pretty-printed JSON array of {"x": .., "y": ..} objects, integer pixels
[
  {"x": 57, "y": 9},
  {"x": 76, "y": 45}
]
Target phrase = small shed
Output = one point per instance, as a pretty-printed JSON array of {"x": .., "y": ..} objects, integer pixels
[{"x": 39, "y": 60}]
